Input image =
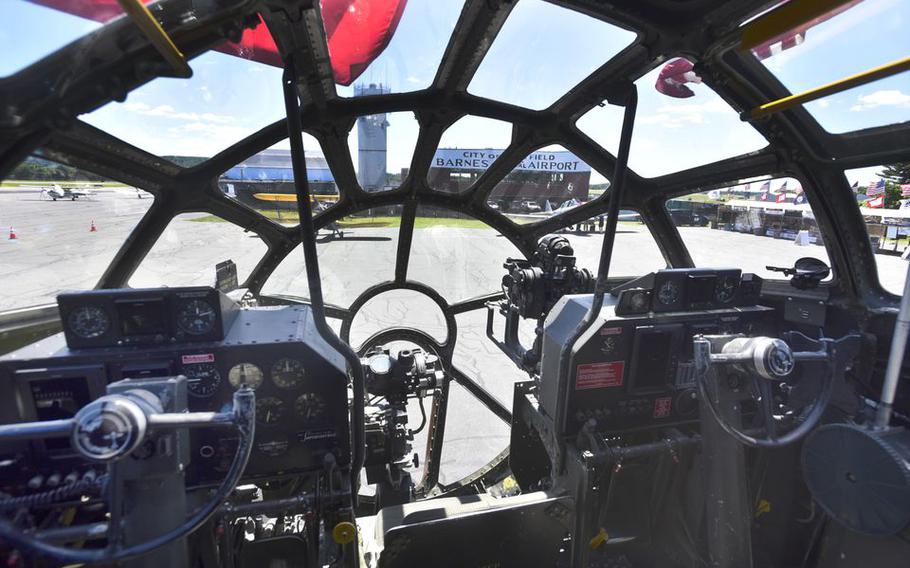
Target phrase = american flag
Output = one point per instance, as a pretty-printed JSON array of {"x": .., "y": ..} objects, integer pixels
[
  {"x": 905, "y": 190},
  {"x": 855, "y": 186},
  {"x": 765, "y": 186},
  {"x": 876, "y": 187},
  {"x": 783, "y": 187}
]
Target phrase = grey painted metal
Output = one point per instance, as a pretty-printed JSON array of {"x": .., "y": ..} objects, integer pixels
[{"x": 895, "y": 358}]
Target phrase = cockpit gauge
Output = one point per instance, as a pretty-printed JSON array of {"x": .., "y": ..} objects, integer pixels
[
  {"x": 309, "y": 405},
  {"x": 245, "y": 374},
  {"x": 89, "y": 321},
  {"x": 288, "y": 373},
  {"x": 269, "y": 410},
  {"x": 668, "y": 293},
  {"x": 202, "y": 379},
  {"x": 196, "y": 317},
  {"x": 726, "y": 289}
]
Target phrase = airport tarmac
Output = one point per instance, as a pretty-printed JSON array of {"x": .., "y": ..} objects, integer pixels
[{"x": 56, "y": 250}]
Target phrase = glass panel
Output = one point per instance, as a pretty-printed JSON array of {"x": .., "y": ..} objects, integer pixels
[
  {"x": 883, "y": 196},
  {"x": 473, "y": 436},
  {"x": 857, "y": 36},
  {"x": 459, "y": 256},
  {"x": 189, "y": 248},
  {"x": 671, "y": 134},
  {"x": 380, "y": 165},
  {"x": 479, "y": 358},
  {"x": 355, "y": 253},
  {"x": 751, "y": 225},
  {"x": 547, "y": 182},
  {"x": 466, "y": 150},
  {"x": 410, "y": 60},
  {"x": 543, "y": 51},
  {"x": 634, "y": 251},
  {"x": 265, "y": 181},
  {"x": 397, "y": 308},
  {"x": 226, "y": 100},
  {"x": 34, "y": 32},
  {"x": 61, "y": 227}
]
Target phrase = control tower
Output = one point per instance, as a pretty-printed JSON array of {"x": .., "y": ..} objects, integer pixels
[{"x": 371, "y": 136}]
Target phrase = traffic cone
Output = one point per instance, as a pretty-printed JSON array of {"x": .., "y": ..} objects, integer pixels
[
  {"x": 93, "y": 228},
  {"x": 12, "y": 234}
]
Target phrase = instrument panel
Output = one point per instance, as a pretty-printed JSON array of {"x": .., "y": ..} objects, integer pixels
[
  {"x": 300, "y": 384},
  {"x": 99, "y": 318},
  {"x": 634, "y": 368}
]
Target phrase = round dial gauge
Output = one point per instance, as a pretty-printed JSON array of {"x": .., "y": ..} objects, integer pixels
[
  {"x": 309, "y": 405},
  {"x": 202, "y": 379},
  {"x": 245, "y": 374},
  {"x": 89, "y": 321},
  {"x": 288, "y": 373},
  {"x": 196, "y": 317},
  {"x": 668, "y": 293},
  {"x": 269, "y": 410},
  {"x": 726, "y": 289}
]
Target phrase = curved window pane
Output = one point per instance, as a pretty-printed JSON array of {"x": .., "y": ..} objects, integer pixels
[
  {"x": 397, "y": 308},
  {"x": 673, "y": 134},
  {"x": 883, "y": 197},
  {"x": 355, "y": 253},
  {"x": 547, "y": 182},
  {"x": 635, "y": 252},
  {"x": 265, "y": 181},
  {"x": 35, "y": 31},
  {"x": 749, "y": 225},
  {"x": 466, "y": 150},
  {"x": 381, "y": 148},
  {"x": 226, "y": 100},
  {"x": 473, "y": 436},
  {"x": 189, "y": 248},
  {"x": 410, "y": 60},
  {"x": 61, "y": 227},
  {"x": 858, "y": 36},
  {"x": 542, "y": 51},
  {"x": 459, "y": 256}
]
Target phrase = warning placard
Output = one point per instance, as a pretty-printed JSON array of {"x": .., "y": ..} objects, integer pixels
[
  {"x": 599, "y": 375},
  {"x": 200, "y": 358},
  {"x": 662, "y": 406}
]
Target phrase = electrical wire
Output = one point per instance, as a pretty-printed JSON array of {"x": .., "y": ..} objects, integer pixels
[
  {"x": 423, "y": 416},
  {"x": 49, "y": 497}
]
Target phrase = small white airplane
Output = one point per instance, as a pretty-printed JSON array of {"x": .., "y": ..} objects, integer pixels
[{"x": 56, "y": 192}]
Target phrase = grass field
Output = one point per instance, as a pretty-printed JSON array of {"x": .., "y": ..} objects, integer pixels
[{"x": 290, "y": 217}]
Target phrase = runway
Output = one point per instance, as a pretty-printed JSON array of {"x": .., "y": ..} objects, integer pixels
[{"x": 55, "y": 250}]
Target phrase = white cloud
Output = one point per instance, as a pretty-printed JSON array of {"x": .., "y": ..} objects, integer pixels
[
  {"x": 206, "y": 94},
  {"x": 412, "y": 79},
  {"x": 824, "y": 104},
  {"x": 889, "y": 97},
  {"x": 680, "y": 114},
  {"x": 167, "y": 111}
]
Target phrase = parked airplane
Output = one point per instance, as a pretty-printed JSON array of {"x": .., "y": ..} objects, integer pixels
[{"x": 57, "y": 192}]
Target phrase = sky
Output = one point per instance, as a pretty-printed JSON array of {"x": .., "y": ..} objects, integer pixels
[{"x": 541, "y": 53}]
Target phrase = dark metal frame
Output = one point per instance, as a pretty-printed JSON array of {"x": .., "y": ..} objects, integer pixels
[{"x": 109, "y": 63}]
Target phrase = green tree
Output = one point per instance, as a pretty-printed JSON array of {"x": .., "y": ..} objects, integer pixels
[{"x": 896, "y": 173}]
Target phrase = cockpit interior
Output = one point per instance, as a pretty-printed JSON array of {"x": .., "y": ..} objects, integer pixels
[{"x": 454, "y": 283}]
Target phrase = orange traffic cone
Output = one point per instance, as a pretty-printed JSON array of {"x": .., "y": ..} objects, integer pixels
[
  {"x": 93, "y": 228},
  {"x": 12, "y": 234}
]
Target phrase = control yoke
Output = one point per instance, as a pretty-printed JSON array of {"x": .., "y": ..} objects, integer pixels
[
  {"x": 724, "y": 363},
  {"x": 111, "y": 428}
]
